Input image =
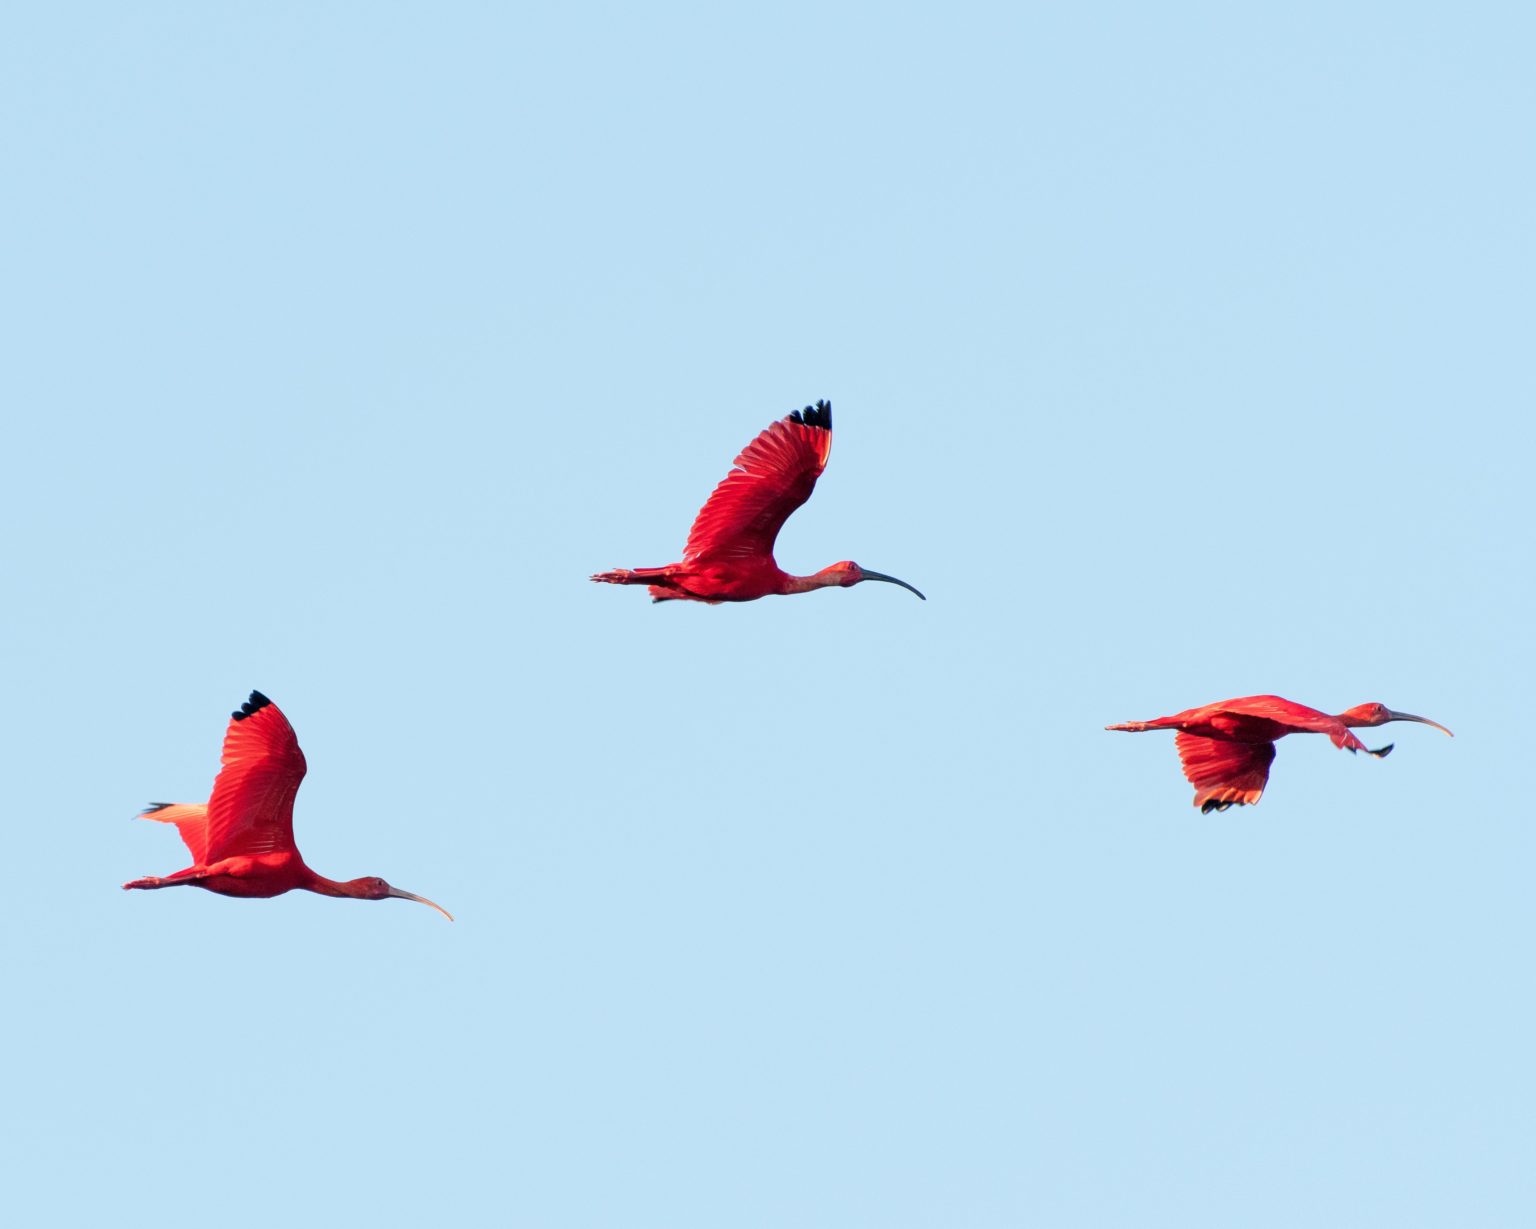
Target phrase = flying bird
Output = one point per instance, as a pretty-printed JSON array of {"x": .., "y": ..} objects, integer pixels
[
  {"x": 241, "y": 839},
  {"x": 729, "y": 555},
  {"x": 1227, "y": 748}
]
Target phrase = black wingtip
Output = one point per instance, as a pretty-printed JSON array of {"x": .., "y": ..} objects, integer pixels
[
  {"x": 818, "y": 415},
  {"x": 255, "y": 704},
  {"x": 155, "y": 806},
  {"x": 1212, "y": 805}
]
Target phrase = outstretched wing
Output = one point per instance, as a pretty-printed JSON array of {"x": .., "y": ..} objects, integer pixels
[
  {"x": 251, "y": 811},
  {"x": 1224, "y": 773},
  {"x": 191, "y": 820},
  {"x": 1294, "y": 717},
  {"x": 773, "y": 476}
]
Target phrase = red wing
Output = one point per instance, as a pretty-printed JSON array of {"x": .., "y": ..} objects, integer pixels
[
  {"x": 191, "y": 820},
  {"x": 1224, "y": 773},
  {"x": 773, "y": 476},
  {"x": 1282, "y": 712},
  {"x": 251, "y": 811}
]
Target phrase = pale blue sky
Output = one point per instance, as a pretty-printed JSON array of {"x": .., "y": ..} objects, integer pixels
[{"x": 1178, "y": 352}]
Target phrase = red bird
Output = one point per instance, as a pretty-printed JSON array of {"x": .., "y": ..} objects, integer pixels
[
  {"x": 242, "y": 838},
  {"x": 729, "y": 556},
  {"x": 1227, "y": 748}
]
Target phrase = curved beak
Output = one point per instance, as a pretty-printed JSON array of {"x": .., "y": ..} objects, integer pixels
[
  {"x": 422, "y": 899},
  {"x": 866, "y": 574},
  {"x": 1395, "y": 716}
]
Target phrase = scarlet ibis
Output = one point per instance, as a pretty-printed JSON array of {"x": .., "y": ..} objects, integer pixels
[
  {"x": 241, "y": 839},
  {"x": 1227, "y": 748},
  {"x": 729, "y": 555}
]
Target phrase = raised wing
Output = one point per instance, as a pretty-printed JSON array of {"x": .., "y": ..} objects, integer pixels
[
  {"x": 1224, "y": 773},
  {"x": 773, "y": 476},
  {"x": 191, "y": 820},
  {"x": 251, "y": 811}
]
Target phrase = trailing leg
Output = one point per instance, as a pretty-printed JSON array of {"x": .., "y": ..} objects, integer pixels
[
  {"x": 1137, "y": 727},
  {"x": 191, "y": 875},
  {"x": 634, "y": 576}
]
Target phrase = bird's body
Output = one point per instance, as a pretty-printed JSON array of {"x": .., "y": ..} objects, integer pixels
[
  {"x": 729, "y": 555},
  {"x": 241, "y": 839},
  {"x": 1226, "y": 748}
]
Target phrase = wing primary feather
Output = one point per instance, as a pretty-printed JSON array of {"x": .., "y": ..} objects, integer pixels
[
  {"x": 818, "y": 415},
  {"x": 254, "y": 705}
]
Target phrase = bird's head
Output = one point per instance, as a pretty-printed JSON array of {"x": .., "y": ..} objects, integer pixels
[
  {"x": 371, "y": 887},
  {"x": 848, "y": 573},
  {"x": 1380, "y": 714}
]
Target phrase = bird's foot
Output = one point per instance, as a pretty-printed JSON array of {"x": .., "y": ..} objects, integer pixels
[{"x": 149, "y": 881}]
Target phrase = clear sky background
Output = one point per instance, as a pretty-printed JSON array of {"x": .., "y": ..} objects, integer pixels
[{"x": 1178, "y": 352}]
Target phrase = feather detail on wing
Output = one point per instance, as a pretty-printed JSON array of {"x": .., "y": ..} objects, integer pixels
[
  {"x": 1224, "y": 773},
  {"x": 1296, "y": 718},
  {"x": 772, "y": 476},
  {"x": 191, "y": 820},
  {"x": 251, "y": 811}
]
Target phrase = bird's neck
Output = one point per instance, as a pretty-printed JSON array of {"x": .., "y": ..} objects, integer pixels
[
  {"x": 330, "y": 887},
  {"x": 826, "y": 578}
]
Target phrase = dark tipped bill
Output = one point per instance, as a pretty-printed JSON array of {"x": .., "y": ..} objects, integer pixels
[
  {"x": 422, "y": 899},
  {"x": 866, "y": 574}
]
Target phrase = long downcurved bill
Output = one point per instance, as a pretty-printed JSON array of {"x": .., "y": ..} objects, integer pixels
[
  {"x": 866, "y": 574},
  {"x": 1392, "y": 716},
  {"x": 422, "y": 899}
]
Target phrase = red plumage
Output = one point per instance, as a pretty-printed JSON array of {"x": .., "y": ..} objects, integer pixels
[
  {"x": 241, "y": 841},
  {"x": 251, "y": 810},
  {"x": 729, "y": 553},
  {"x": 1224, "y": 773},
  {"x": 1226, "y": 748},
  {"x": 769, "y": 479}
]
